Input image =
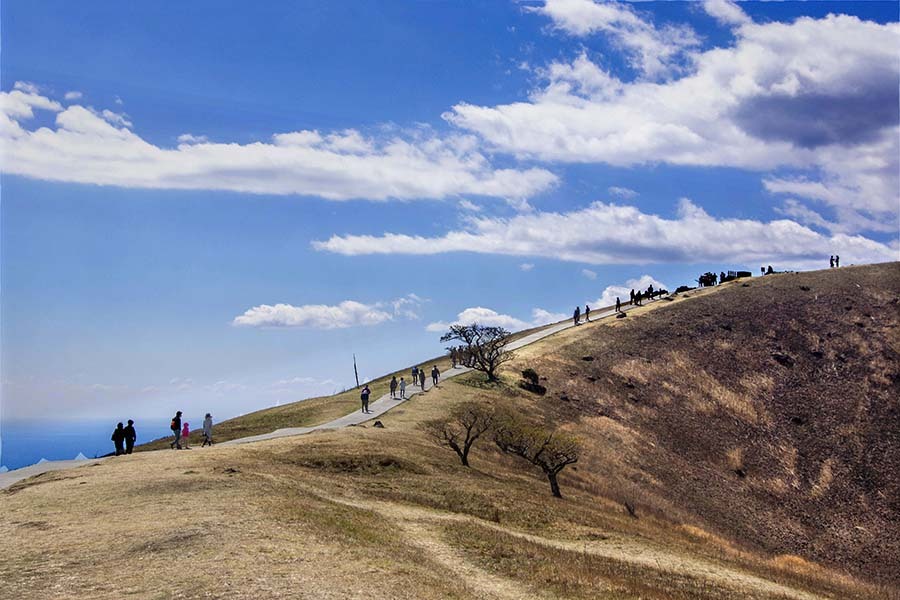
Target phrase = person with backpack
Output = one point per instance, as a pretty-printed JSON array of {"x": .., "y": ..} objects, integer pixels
[
  {"x": 207, "y": 431},
  {"x": 185, "y": 434},
  {"x": 130, "y": 437},
  {"x": 393, "y": 386},
  {"x": 577, "y": 315},
  {"x": 364, "y": 396},
  {"x": 118, "y": 438},
  {"x": 402, "y": 388},
  {"x": 175, "y": 426}
]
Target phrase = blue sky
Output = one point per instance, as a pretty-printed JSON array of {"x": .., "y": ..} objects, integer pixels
[{"x": 195, "y": 196}]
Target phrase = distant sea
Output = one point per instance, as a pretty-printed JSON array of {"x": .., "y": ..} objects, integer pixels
[{"x": 27, "y": 442}]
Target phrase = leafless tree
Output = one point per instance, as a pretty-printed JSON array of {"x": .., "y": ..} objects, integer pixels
[
  {"x": 483, "y": 347},
  {"x": 552, "y": 451},
  {"x": 466, "y": 423}
]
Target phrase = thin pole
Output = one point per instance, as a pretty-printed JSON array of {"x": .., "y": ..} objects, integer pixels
[{"x": 355, "y": 372}]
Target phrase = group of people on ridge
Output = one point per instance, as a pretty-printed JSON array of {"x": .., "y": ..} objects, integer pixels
[
  {"x": 835, "y": 261},
  {"x": 398, "y": 388},
  {"x": 124, "y": 437},
  {"x": 182, "y": 431}
]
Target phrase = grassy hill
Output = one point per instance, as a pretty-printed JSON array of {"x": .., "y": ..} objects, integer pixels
[{"x": 752, "y": 428}]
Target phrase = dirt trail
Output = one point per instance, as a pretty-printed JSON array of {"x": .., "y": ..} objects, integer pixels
[{"x": 413, "y": 520}]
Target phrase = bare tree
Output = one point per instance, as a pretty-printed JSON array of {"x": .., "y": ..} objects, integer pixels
[
  {"x": 467, "y": 422},
  {"x": 552, "y": 451},
  {"x": 483, "y": 347}
]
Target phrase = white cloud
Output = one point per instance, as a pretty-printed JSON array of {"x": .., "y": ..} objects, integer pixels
[
  {"x": 100, "y": 148},
  {"x": 816, "y": 96},
  {"x": 726, "y": 12},
  {"x": 623, "y": 292},
  {"x": 612, "y": 234},
  {"x": 189, "y": 138},
  {"x": 469, "y": 205},
  {"x": 526, "y": 267},
  {"x": 622, "y": 192},
  {"x": 73, "y": 95},
  {"x": 26, "y": 87},
  {"x": 539, "y": 316},
  {"x": 653, "y": 51},
  {"x": 491, "y": 318},
  {"x": 321, "y": 316},
  {"x": 589, "y": 274}
]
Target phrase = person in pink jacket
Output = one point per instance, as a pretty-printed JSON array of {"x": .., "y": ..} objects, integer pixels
[{"x": 185, "y": 432}]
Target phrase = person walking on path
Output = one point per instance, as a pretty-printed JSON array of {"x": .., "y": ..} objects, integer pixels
[
  {"x": 837, "y": 261},
  {"x": 415, "y": 375},
  {"x": 422, "y": 379},
  {"x": 207, "y": 431},
  {"x": 186, "y": 434},
  {"x": 393, "y": 386},
  {"x": 130, "y": 437},
  {"x": 175, "y": 426},
  {"x": 587, "y": 313},
  {"x": 453, "y": 357},
  {"x": 118, "y": 438},
  {"x": 402, "y": 388},
  {"x": 435, "y": 375},
  {"x": 577, "y": 315},
  {"x": 618, "y": 305},
  {"x": 364, "y": 396},
  {"x": 632, "y": 297}
]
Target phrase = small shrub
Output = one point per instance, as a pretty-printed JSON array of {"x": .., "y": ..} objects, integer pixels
[{"x": 531, "y": 382}]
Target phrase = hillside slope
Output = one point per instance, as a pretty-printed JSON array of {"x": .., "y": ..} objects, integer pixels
[
  {"x": 752, "y": 429},
  {"x": 768, "y": 412}
]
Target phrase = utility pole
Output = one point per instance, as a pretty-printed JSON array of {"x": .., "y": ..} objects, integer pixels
[{"x": 355, "y": 372}]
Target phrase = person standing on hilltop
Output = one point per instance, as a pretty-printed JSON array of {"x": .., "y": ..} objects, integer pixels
[
  {"x": 207, "y": 431},
  {"x": 185, "y": 434},
  {"x": 618, "y": 305},
  {"x": 435, "y": 375},
  {"x": 632, "y": 297},
  {"x": 118, "y": 438},
  {"x": 402, "y": 388},
  {"x": 837, "y": 261},
  {"x": 587, "y": 313},
  {"x": 175, "y": 426},
  {"x": 831, "y": 262},
  {"x": 576, "y": 316},
  {"x": 130, "y": 437},
  {"x": 364, "y": 396},
  {"x": 393, "y": 386}
]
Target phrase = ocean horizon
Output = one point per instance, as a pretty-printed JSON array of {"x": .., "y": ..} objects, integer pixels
[{"x": 24, "y": 443}]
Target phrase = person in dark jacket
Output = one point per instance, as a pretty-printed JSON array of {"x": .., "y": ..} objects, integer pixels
[
  {"x": 364, "y": 396},
  {"x": 618, "y": 305},
  {"x": 393, "y": 386},
  {"x": 130, "y": 437},
  {"x": 577, "y": 315},
  {"x": 118, "y": 438},
  {"x": 587, "y": 312},
  {"x": 435, "y": 375},
  {"x": 176, "y": 430},
  {"x": 422, "y": 378}
]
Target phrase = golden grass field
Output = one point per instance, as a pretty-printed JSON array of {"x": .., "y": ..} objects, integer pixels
[{"x": 385, "y": 513}]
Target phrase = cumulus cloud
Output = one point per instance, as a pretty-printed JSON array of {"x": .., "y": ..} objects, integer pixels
[
  {"x": 73, "y": 95},
  {"x": 491, "y": 318},
  {"x": 623, "y": 291},
  {"x": 612, "y": 234},
  {"x": 815, "y": 96},
  {"x": 726, "y": 12},
  {"x": 87, "y": 146},
  {"x": 653, "y": 51},
  {"x": 321, "y": 316},
  {"x": 189, "y": 138}
]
